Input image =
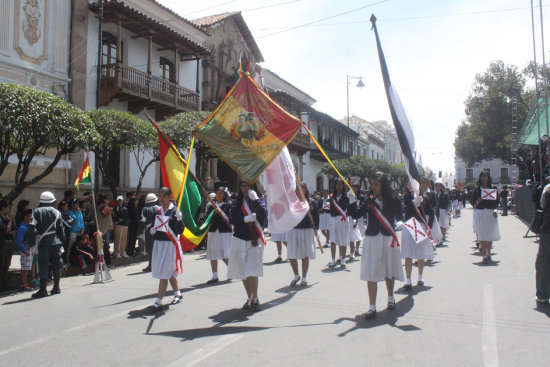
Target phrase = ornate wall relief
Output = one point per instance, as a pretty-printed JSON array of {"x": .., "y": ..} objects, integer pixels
[{"x": 31, "y": 30}]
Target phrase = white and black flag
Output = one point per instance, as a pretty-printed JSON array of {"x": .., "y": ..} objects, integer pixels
[{"x": 403, "y": 127}]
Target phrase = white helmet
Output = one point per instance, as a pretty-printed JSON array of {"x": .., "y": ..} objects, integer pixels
[
  {"x": 47, "y": 198},
  {"x": 151, "y": 198}
]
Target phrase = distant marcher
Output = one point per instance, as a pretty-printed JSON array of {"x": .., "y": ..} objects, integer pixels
[
  {"x": 218, "y": 242},
  {"x": 25, "y": 241},
  {"x": 280, "y": 240}
]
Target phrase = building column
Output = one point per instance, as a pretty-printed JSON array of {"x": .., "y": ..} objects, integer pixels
[
  {"x": 118, "y": 42},
  {"x": 214, "y": 169},
  {"x": 176, "y": 67},
  {"x": 150, "y": 55},
  {"x": 208, "y": 175}
]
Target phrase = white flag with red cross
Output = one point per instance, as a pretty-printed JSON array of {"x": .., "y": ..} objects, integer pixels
[
  {"x": 488, "y": 194},
  {"x": 416, "y": 230}
]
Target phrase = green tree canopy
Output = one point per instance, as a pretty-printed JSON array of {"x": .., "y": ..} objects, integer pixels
[{"x": 34, "y": 124}]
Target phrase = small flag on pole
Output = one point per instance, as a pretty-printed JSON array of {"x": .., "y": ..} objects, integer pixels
[{"x": 85, "y": 175}]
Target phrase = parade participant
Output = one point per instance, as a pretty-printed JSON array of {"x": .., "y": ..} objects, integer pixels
[
  {"x": 148, "y": 215},
  {"x": 279, "y": 239},
  {"x": 339, "y": 229},
  {"x": 219, "y": 234},
  {"x": 430, "y": 194},
  {"x": 356, "y": 224},
  {"x": 247, "y": 244},
  {"x": 381, "y": 256},
  {"x": 542, "y": 264},
  {"x": 105, "y": 219},
  {"x": 167, "y": 256},
  {"x": 25, "y": 242},
  {"x": 418, "y": 207},
  {"x": 442, "y": 212},
  {"x": 50, "y": 237},
  {"x": 324, "y": 216},
  {"x": 485, "y": 215},
  {"x": 301, "y": 239}
]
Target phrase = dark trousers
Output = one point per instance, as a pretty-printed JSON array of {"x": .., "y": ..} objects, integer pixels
[
  {"x": 542, "y": 266},
  {"x": 504, "y": 204},
  {"x": 6, "y": 252},
  {"x": 149, "y": 242},
  {"x": 132, "y": 238},
  {"x": 48, "y": 255}
]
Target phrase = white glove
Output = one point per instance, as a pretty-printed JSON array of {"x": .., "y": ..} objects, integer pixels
[
  {"x": 252, "y": 195},
  {"x": 178, "y": 215},
  {"x": 399, "y": 225},
  {"x": 153, "y": 230},
  {"x": 351, "y": 196},
  {"x": 417, "y": 200},
  {"x": 250, "y": 218}
]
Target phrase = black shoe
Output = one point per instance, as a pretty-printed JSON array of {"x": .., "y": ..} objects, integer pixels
[
  {"x": 357, "y": 254},
  {"x": 278, "y": 260},
  {"x": 155, "y": 308},
  {"x": 294, "y": 282},
  {"x": 420, "y": 283},
  {"x": 371, "y": 314},
  {"x": 40, "y": 294},
  {"x": 176, "y": 300},
  {"x": 55, "y": 291},
  {"x": 391, "y": 305},
  {"x": 254, "y": 304},
  {"x": 485, "y": 260},
  {"x": 246, "y": 305},
  {"x": 83, "y": 272},
  {"x": 146, "y": 270},
  {"x": 342, "y": 265},
  {"x": 212, "y": 281},
  {"x": 408, "y": 287},
  {"x": 331, "y": 265}
]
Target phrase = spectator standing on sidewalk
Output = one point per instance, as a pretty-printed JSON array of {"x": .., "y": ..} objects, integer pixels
[
  {"x": 133, "y": 224},
  {"x": 7, "y": 232},
  {"x": 77, "y": 226},
  {"x": 105, "y": 218},
  {"x": 25, "y": 241},
  {"x": 121, "y": 227},
  {"x": 504, "y": 200},
  {"x": 542, "y": 264},
  {"x": 148, "y": 215}
]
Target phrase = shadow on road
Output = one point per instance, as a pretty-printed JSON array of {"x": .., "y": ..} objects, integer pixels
[
  {"x": 492, "y": 263},
  {"x": 22, "y": 300},
  {"x": 545, "y": 309}
]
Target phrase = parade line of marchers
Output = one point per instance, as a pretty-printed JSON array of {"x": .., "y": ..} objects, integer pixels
[{"x": 249, "y": 132}]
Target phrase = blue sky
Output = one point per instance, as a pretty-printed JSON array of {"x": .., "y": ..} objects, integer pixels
[{"x": 433, "y": 49}]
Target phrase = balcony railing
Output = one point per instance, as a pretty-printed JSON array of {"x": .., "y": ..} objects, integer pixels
[{"x": 118, "y": 80}]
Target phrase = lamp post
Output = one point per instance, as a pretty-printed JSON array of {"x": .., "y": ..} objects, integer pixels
[{"x": 360, "y": 84}]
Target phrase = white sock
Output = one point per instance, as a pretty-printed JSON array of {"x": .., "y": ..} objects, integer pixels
[
  {"x": 333, "y": 261},
  {"x": 420, "y": 277},
  {"x": 391, "y": 299},
  {"x": 177, "y": 293},
  {"x": 158, "y": 301},
  {"x": 372, "y": 308},
  {"x": 342, "y": 260},
  {"x": 304, "y": 279},
  {"x": 215, "y": 275},
  {"x": 296, "y": 277},
  {"x": 408, "y": 282}
]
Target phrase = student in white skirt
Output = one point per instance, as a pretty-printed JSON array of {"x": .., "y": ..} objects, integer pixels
[
  {"x": 356, "y": 224},
  {"x": 443, "y": 204},
  {"x": 436, "y": 231},
  {"x": 280, "y": 240},
  {"x": 301, "y": 240},
  {"x": 324, "y": 216},
  {"x": 410, "y": 250},
  {"x": 339, "y": 225},
  {"x": 485, "y": 216},
  {"x": 381, "y": 255},
  {"x": 247, "y": 245},
  {"x": 218, "y": 242},
  {"x": 167, "y": 254}
]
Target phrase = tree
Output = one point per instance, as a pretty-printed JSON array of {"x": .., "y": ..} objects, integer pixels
[
  {"x": 486, "y": 132},
  {"x": 117, "y": 130},
  {"x": 36, "y": 124},
  {"x": 145, "y": 151}
]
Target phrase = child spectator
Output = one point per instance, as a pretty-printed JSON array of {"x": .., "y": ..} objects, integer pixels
[
  {"x": 82, "y": 253},
  {"x": 26, "y": 243},
  {"x": 77, "y": 226},
  {"x": 21, "y": 206}
]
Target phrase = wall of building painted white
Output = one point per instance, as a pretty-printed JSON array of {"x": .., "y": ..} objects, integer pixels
[{"x": 495, "y": 166}]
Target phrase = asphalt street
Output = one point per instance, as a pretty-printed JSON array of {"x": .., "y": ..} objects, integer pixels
[{"x": 467, "y": 314}]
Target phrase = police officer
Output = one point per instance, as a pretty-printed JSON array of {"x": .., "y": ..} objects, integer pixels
[
  {"x": 148, "y": 215},
  {"x": 50, "y": 237}
]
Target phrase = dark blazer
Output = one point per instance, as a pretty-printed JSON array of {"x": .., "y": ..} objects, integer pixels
[
  {"x": 391, "y": 210},
  {"x": 354, "y": 209},
  {"x": 485, "y": 204},
  {"x": 175, "y": 224},
  {"x": 545, "y": 226},
  {"x": 241, "y": 230},
  {"x": 306, "y": 222},
  {"x": 342, "y": 202},
  {"x": 217, "y": 221},
  {"x": 425, "y": 208}
]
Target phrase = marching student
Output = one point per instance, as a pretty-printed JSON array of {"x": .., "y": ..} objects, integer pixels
[
  {"x": 218, "y": 242},
  {"x": 324, "y": 216},
  {"x": 339, "y": 229},
  {"x": 430, "y": 194},
  {"x": 247, "y": 244},
  {"x": 381, "y": 256},
  {"x": 418, "y": 207},
  {"x": 485, "y": 215},
  {"x": 356, "y": 224},
  {"x": 279, "y": 239},
  {"x": 166, "y": 259},
  {"x": 443, "y": 204},
  {"x": 301, "y": 239}
]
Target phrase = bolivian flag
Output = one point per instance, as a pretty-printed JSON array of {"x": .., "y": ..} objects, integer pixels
[
  {"x": 173, "y": 169},
  {"x": 248, "y": 129},
  {"x": 85, "y": 175}
]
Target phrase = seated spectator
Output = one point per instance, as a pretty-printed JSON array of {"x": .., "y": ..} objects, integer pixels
[
  {"x": 82, "y": 253},
  {"x": 25, "y": 241}
]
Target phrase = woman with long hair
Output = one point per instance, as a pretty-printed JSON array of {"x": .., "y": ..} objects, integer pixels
[
  {"x": 485, "y": 214},
  {"x": 418, "y": 207},
  {"x": 339, "y": 229},
  {"x": 381, "y": 255},
  {"x": 218, "y": 242},
  {"x": 247, "y": 244},
  {"x": 301, "y": 239}
]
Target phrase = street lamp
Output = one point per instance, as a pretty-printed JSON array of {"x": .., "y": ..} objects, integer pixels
[{"x": 360, "y": 84}]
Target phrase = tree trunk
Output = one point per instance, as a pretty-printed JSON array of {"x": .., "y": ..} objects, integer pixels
[{"x": 145, "y": 168}]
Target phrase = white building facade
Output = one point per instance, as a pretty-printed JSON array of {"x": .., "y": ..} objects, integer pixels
[{"x": 501, "y": 172}]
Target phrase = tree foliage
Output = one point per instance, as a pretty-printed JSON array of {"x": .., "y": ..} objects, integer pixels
[{"x": 35, "y": 124}]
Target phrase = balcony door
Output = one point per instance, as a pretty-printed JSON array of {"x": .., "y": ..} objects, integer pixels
[{"x": 109, "y": 49}]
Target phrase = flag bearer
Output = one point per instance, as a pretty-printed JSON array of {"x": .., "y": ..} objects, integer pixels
[{"x": 219, "y": 233}]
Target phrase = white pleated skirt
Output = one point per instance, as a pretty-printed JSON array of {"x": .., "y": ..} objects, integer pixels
[
  {"x": 301, "y": 243},
  {"x": 379, "y": 260},
  {"x": 163, "y": 260},
  {"x": 486, "y": 225},
  {"x": 443, "y": 218},
  {"x": 245, "y": 260},
  {"x": 278, "y": 237},
  {"x": 218, "y": 245},
  {"x": 412, "y": 250},
  {"x": 324, "y": 220},
  {"x": 339, "y": 231},
  {"x": 362, "y": 226},
  {"x": 355, "y": 234},
  {"x": 436, "y": 231}
]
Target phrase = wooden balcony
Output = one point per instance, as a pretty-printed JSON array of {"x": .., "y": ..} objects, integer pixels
[
  {"x": 332, "y": 153},
  {"x": 141, "y": 90},
  {"x": 300, "y": 144}
]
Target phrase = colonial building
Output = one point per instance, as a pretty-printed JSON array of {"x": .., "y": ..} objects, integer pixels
[
  {"x": 374, "y": 136},
  {"x": 500, "y": 171},
  {"x": 392, "y": 149}
]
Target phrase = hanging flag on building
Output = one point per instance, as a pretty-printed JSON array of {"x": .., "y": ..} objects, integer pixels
[
  {"x": 189, "y": 197},
  {"x": 248, "y": 129},
  {"x": 401, "y": 122},
  {"x": 85, "y": 175},
  {"x": 285, "y": 209}
]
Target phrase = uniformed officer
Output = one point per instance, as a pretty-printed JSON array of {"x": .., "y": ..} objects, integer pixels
[{"x": 148, "y": 215}]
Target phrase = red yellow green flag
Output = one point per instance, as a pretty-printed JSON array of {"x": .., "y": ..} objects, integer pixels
[
  {"x": 85, "y": 175},
  {"x": 248, "y": 129}
]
